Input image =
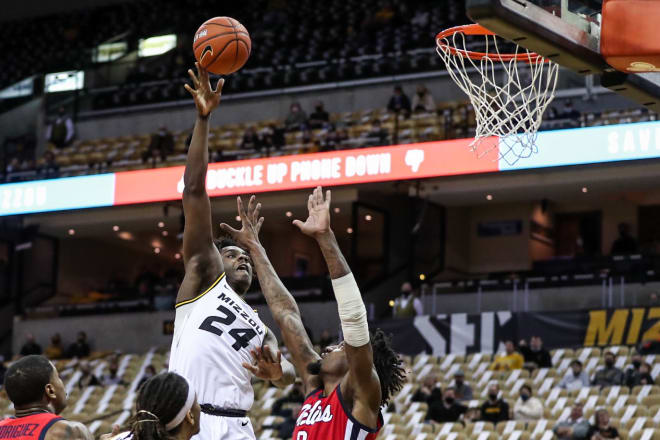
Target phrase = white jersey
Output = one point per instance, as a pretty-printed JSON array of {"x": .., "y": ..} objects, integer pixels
[{"x": 213, "y": 335}]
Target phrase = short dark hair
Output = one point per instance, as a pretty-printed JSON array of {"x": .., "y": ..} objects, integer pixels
[
  {"x": 161, "y": 396},
  {"x": 388, "y": 365},
  {"x": 528, "y": 388},
  {"x": 26, "y": 379},
  {"x": 576, "y": 362},
  {"x": 226, "y": 241}
]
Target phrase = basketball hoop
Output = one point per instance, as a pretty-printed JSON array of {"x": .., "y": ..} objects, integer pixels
[{"x": 511, "y": 108}]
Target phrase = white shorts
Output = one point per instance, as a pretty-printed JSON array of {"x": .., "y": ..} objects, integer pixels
[{"x": 224, "y": 428}]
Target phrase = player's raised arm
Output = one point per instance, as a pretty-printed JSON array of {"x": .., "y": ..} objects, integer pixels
[
  {"x": 200, "y": 256},
  {"x": 281, "y": 303},
  {"x": 361, "y": 383}
]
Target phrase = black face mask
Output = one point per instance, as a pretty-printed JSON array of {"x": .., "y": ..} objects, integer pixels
[
  {"x": 609, "y": 363},
  {"x": 449, "y": 400},
  {"x": 636, "y": 364},
  {"x": 492, "y": 396},
  {"x": 459, "y": 383},
  {"x": 524, "y": 397}
]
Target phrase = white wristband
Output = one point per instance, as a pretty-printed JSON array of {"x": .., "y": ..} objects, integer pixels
[{"x": 352, "y": 313}]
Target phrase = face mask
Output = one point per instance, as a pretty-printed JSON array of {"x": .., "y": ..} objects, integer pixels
[
  {"x": 524, "y": 397},
  {"x": 636, "y": 364},
  {"x": 449, "y": 400},
  {"x": 609, "y": 363},
  {"x": 493, "y": 396},
  {"x": 459, "y": 383}
]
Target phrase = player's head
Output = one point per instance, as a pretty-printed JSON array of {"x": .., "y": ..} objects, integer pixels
[
  {"x": 237, "y": 264},
  {"x": 33, "y": 381},
  {"x": 166, "y": 406},
  {"x": 391, "y": 374}
]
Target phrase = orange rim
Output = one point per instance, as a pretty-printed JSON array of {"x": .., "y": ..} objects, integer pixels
[{"x": 477, "y": 29}]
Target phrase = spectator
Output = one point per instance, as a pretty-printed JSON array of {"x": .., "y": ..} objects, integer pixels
[
  {"x": 87, "y": 379},
  {"x": 61, "y": 131},
  {"x": 602, "y": 429},
  {"x": 162, "y": 144},
  {"x": 510, "y": 360},
  {"x": 149, "y": 372},
  {"x": 285, "y": 429},
  {"x": 575, "y": 427},
  {"x": 447, "y": 409},
  {"x": 429, "y": 391},
  {"x": 644, "y": 377},
  {"x": 625, "y": 244},
  {"x": 319, "y": 116},
  {"x": 574, "y": 379},
  {"x": 30, "y": 346},
  {"x": 326, "y": 339},
  {"x": 251, "y": 140},
  {"x": 609, "y": 375},
  {"x": 527, "y": 407},
  {"x": 112, "y": 378},
  {"x": 495, "y": 409},
  {"x": 378, "y": 135},
  {"x": 399, "y": 102},
  {"x": 80, "y": 348},
  {"x": 632, "y": 373},
  {"x": 423, "y": 100},
  {"x": 49, "y": 169},
  {"x": 408, "y": 304},
  {"x": 297, "y": 395},
  {"x": 463, "y": 390},
  {"x": 569, "y": 112},
  {"x": 535, "y": 355},
  {"x": 297, "y": 119},
  {"x": 55, "y": 350}
]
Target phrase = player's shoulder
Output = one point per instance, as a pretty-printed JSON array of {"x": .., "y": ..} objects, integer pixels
[{"x": 68, "y": 430}]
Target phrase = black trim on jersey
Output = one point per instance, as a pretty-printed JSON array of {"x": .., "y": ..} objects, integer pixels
[
  {"x": 188, "y": 301},
  {"x": 316, "y": 390},
  {"x": 47, "y": 426},
  {"x": 355, "y": 432},
  {"x": 355, "y": 422}
]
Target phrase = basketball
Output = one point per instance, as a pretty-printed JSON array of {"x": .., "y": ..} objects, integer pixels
[{"x": 222, "y": 45}]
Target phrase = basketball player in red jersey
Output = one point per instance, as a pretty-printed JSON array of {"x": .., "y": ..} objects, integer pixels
[
  {"x": 37, "y": 392},
  {"x": 349, "y": 383}
]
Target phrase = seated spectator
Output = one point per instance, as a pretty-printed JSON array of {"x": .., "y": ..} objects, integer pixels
[
  {"x": 297, "y": 119},
  {"x": 251, "y": 140},
  {"x": 535, "y": 355},
  {"x": 319, "y": 116},
  {"x": 55, "y": 350},
  {"x": 463, "y": 390},
  {"x": 644, "y": 377},
  {"x": 378, "y": 135},
  {"x": 574, "y": 379},
  {"x": 510, "y": 360},
  {"x": 162, "y": 144},
  {"x": 49, "y": 169},
  {"x": 112, "y": 378},
  {"x": 569, "y": 112},
  {"x": 87, "y": 379},
  {"x": 527, "y": 407},
  {"x": 609, "y": 375},
  {"x": 428, "y": 391},
  {"x": 149, "y": 372},
  {"x": 602, "y": 429},
  {"x": 408, "y": 304},
  {"x": 447, "y": 409},
  {"x": 61, "y": 131},
  {"x": 30, "y": 346},
  {"x": 495, "y": 409},
  {"x": 297, "y": 395},
  {"x": 399, "y": 102},
  {"x": 423, "y": 100},
  {"x": 632, "y": 372},
  {"x": 626, "y": 243},
  {"x": 286, "y": 428},
  {"x": 80, "y": 348},
  {"x": 574, "y": 427}
]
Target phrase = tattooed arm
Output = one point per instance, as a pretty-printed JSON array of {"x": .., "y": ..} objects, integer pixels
[
  {"x": 282, "y": 305},
  {"x": 66, "y": 430}
]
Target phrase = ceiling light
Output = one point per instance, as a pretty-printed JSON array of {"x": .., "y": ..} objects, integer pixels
[
  {"x": 489, "y": 197},
  {"x": 368, "y": 217},
  {"x": 115, "y": 228},
  {"x": 125, "y": 235},
  {"x": 157, "y": 250},
  {"x": 177, "y": 256},
  {"x": 161, "y": 224},
  {"x": 337, "y": 210},
  {"x": 391, "y": 303},
  {"x": 584, "y": 189},
  {"x": 422, "y": 276},
  {"x": 238, "y": 218},
  {"x": 289, "y": 213},
  {"x": 349, "y": 230},
  {"x": 165, "y": 233},
  {"x": 72, "y": 232}
]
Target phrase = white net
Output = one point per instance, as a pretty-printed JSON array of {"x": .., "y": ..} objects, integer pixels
[{"x": 509, "y": 93}]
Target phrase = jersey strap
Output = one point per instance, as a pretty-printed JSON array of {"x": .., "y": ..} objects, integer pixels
[
  {"x": 188, "y": 301},
  {"x": 353, "y": 425}
]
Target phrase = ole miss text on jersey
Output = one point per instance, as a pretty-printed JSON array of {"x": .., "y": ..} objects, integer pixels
[{"x": 328, "y": 418}]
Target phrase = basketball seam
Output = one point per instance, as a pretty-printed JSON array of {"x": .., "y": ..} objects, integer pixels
[
  {"x": 218, "y": 24},
  {"x": 201, "y": 42},
  {"x": 249, "y": 49},
  {"x": 236, "y": 53},
  {"x": 220, "y": 53}
]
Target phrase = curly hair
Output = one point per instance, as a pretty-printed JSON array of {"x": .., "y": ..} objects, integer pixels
[
  {"x": 226, "y": 241},
  {"x": 388, "y": 365}
]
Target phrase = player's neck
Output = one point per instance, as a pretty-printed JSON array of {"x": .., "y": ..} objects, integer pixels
[
  {"x": 239, "y": 289},
  {"x": 330, "y": 383},
  {"x": 33, "y": 408}
]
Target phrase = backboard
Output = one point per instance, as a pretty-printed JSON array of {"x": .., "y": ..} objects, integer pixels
[{"x": 568, "y": 33}]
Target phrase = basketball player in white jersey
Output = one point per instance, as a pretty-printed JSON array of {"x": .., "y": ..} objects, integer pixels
[{"x": 219, "y": 339}]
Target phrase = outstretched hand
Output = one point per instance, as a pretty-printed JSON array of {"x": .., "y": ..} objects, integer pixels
[
  {"x": 206, "y": 99},
  {"x": 318, "y": 221},
  {"x": 251, "y": 223},
  {"x": 266, "y": 365}
]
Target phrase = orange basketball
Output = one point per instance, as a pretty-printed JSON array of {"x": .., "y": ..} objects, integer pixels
[{"x": 222, "y": 45}]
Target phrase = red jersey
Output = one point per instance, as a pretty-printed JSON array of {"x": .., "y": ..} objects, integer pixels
[
  {"x": 33, "y": 427},
  {"x": 328, "y": 418}
]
